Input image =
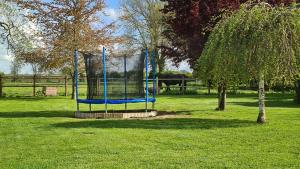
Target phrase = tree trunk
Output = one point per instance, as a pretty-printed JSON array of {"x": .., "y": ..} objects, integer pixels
[
  {"x": 73, "y": 86},
  {"x": 209, "y": 84},
  {"x": 219, "y": 96},
  {"x": 66, "y": 85},
  {"x": 283, "y": 86},
  {"x": 222, "y": 97},
  {"x": 297, "y": 88},
  {"x": 34, "y": 85},
  {"x": 261, "y": 101}
]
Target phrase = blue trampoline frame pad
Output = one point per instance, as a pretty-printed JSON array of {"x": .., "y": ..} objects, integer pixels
[{"x": 115, "y": 101}]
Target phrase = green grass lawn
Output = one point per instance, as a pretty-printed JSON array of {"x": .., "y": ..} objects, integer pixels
[{"x": 42, "y": 133}]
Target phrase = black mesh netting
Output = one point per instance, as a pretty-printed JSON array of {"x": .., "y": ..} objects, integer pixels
[{"x": 124, "y": 74}]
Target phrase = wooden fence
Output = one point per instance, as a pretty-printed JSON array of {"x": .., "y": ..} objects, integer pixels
[{"x": 64, "y": 83}]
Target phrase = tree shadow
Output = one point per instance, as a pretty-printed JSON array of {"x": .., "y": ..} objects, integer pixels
[
  {"x": 171, "y": 123},
  {"x": 192, "y": 97},
  {"x": 68, "y": 113},
  {"x": 37, "y": 114},
  {"x": 211, "y": 96},
  {"x": 176, "y": 112},
  {"x": 30, "y": 98},
  {"x": 252, "y": 95},
  {"x": 271, "y": 102}
]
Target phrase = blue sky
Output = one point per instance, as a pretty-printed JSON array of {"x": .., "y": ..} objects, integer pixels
[
  {"x": 112, "y": 8},
  {"x": 113, "y": 3}
]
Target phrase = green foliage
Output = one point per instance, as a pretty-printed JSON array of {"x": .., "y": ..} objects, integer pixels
[
  {"x": 39, "y": 93},
  {"x": 256, "y": 40}
]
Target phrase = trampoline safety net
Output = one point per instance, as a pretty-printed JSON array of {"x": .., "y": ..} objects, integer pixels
[{"x": 124, "y": 75}]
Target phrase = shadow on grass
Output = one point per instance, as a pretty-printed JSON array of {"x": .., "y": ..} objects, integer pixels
[
  {"x": 271, "y": 102},
  {"x": 66, "y": 113},
  {"x": 177, "y": 112},
  {"x": 36, "y": 114},
  {"x": 31, "y": 98},
  {"x": 172, "y": 123},
  {"x": 239, "y": 95}
]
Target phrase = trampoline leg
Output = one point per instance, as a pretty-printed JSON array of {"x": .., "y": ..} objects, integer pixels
[
  {"x": 153, "y": 105},
  {"x": 125, "y": 107},
  {"x": 105, "y": 108},
  {"x": 90, "y": 108}
]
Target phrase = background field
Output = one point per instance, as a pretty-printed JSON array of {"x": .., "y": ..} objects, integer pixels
[{"x": 42, "y": 133}]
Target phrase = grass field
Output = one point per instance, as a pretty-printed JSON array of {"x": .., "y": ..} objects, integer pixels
[{"x": 42, "y": 133}]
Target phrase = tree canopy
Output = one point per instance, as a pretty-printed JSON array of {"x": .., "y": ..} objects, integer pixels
[
  {"x": 258, "y": 42},
  {"x": 14, "y": 28},
  {"x": 66, "y": 25},
  {"x": 261, "y": 40},
  {"x": 143, "y": 24},
  {"x": 190, "y": 22}
]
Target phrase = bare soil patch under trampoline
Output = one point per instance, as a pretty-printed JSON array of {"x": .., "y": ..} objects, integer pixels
[{"x": 121, "y": 114}]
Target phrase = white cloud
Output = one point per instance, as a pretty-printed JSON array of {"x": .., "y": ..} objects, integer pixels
[
  {"x": 4, "y": 54},
  {"x": 183, "y": 66},
  {"x": 5, "y": 59},
  {"x": 5, "y": 66},
  {"x": 112, "y": 13}
]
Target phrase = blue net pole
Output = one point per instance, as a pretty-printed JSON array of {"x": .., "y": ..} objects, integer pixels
[
  {"x": 104, "y": 77},
  {"x": 146, "y": 66},
  {"x": 76, "y": 77}
]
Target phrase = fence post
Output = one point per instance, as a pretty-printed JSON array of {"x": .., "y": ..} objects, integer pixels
[
  {"x": 66, "y": 85},
  {"x": 34, "y": 85},
  {"x": 1, "y": 85}
]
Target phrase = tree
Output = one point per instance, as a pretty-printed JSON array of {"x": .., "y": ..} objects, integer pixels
[
  {"x": 15, "y": 68},
  {"x": 18, "y": 34},
  {"x": 69, "y": 25},
  {"x": 143, "y": 22},
  {"x": 190, "y": 23},
  {"x": 258, "y": 42},
  {"x": 36, "y": 58},
  {"x": 14, "y": 29}
]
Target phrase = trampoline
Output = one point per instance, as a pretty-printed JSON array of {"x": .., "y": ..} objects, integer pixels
[{"x": 119, "y": 79}]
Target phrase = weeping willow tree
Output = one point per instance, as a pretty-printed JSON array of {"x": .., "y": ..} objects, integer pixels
[{"x": 258, "y": 42}]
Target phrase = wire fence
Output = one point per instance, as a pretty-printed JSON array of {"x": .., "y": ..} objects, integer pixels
[{"x": 37, "y": 85}]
